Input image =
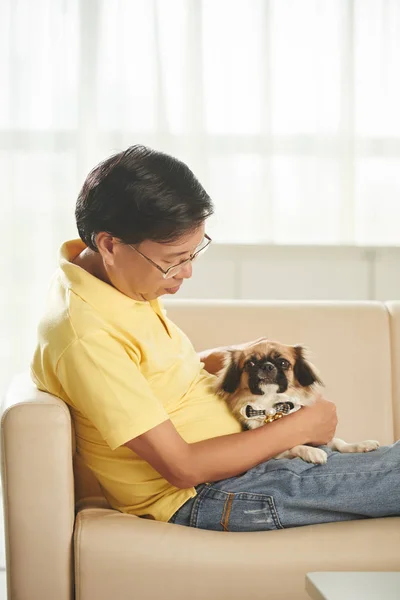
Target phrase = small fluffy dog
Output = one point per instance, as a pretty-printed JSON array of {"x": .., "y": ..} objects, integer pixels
[{"x": 268, "y": 376}]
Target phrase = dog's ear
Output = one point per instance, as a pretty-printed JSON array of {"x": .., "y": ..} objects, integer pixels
[
  {"x": 229, "y": 378},
  {"x": 303, "y": 370}
]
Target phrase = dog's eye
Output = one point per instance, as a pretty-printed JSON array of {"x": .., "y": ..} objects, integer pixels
[
  {"x": 284, "y": 364},
  {"x": 251, "y": 363}
]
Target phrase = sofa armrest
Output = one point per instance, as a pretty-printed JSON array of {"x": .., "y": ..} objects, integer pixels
[
  {"x": 38, "y": 492},
  {"x": 394, "y": 312}
]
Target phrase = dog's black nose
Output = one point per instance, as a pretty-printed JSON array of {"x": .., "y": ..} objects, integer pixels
[{"x": 267, "y": 368}]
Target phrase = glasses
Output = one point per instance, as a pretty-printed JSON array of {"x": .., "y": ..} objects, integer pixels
[{"x": 174, "y": 269}]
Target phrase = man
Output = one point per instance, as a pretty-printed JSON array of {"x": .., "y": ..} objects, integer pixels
[{"x": 147, "y": 421}]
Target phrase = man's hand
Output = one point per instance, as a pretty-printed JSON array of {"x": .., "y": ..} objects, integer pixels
[
  {"x": 214, "y": 360},
  {"x": 319, "y": 421}
]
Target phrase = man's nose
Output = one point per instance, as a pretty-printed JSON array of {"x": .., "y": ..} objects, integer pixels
[{"x": 186, "y": 271}]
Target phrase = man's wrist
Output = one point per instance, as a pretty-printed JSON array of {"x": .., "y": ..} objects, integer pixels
[{"x": 299, "y": 426}]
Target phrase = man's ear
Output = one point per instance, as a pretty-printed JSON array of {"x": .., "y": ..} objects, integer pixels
[
  {"x": 303, "y": 370},
  {"x": 229, "y": 377}
]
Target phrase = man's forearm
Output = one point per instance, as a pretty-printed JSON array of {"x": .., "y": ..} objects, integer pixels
[{"x": 230, "y": 455}]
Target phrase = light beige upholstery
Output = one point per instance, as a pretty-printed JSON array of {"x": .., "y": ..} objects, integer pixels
[
  {"x": 356, "y": 347},
  {"x": 394, "y": 309},
  {"x": 38, "y": 493}
]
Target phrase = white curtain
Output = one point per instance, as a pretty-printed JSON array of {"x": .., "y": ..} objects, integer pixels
[{"x": 287, "y": 110}]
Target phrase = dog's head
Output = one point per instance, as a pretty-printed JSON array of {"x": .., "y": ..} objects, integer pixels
[{"x": 266, "y": 364}]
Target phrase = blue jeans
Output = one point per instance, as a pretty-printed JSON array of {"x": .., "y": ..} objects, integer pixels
[{"x": 290, "y": 492}]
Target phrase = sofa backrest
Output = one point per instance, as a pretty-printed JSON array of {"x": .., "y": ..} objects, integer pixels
[{"x": 350, "y": 344}]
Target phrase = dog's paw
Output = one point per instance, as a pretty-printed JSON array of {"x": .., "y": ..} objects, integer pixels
[
  {"x": 366, "y": 446},
  {"x": 347, "y": 448},
  {"x": 310, "y": 454}
]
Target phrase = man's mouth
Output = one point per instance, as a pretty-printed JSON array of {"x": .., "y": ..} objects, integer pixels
[{"x": 173, "y": 290}]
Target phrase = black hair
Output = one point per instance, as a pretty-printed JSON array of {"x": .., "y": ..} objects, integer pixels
[{"x": 141, "y": 194}]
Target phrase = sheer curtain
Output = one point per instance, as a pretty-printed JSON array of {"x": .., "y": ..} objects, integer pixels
[{"x": 287, "y": 110}]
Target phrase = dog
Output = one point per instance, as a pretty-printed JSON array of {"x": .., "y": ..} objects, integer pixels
[{"x": 267, "y": 376}]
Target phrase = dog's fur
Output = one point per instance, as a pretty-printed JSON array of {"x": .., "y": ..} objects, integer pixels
[{"x": 268, "y": 372}]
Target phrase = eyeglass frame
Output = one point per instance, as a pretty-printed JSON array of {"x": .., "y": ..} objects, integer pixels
[{"x": 181, "y": 264}]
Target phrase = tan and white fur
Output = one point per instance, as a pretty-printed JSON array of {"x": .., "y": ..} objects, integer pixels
[{"x": 268, "y": 372}]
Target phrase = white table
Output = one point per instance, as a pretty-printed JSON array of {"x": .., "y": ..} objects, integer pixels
[
  {"x": 3, "y": 592},
  {"x": 353, "y": 585}
]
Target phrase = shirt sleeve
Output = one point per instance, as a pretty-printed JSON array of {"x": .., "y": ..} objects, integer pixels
[{"x": 105, "y": 384}]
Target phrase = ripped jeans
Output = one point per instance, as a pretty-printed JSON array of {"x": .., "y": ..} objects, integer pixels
[{"x": 290, "y": 493}]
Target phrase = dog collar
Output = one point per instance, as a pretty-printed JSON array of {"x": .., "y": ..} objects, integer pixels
[{"x": 279, "y": 410}]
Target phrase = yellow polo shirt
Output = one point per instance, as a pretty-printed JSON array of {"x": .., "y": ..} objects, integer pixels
[{"x": 123, "y": 367}]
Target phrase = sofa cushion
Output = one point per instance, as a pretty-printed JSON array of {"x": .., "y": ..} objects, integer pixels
[
  {"x": 125, "y": 557},
  {"x": 394, "y": 311}
]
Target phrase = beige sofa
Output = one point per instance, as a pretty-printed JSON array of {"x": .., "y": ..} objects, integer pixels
[{"x": 63, "y": 541}]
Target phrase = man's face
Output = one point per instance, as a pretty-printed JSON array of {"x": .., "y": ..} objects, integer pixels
[{"x": 131, "y": 273}]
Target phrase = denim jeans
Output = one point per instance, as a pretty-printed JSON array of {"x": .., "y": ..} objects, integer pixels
[{"x": 283, "y": 493}]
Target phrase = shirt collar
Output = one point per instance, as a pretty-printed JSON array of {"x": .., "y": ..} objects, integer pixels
[{"x": 99, "y": 294}]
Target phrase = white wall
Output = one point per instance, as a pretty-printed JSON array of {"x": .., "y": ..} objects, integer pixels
[{"x": 295, "y": 273}]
